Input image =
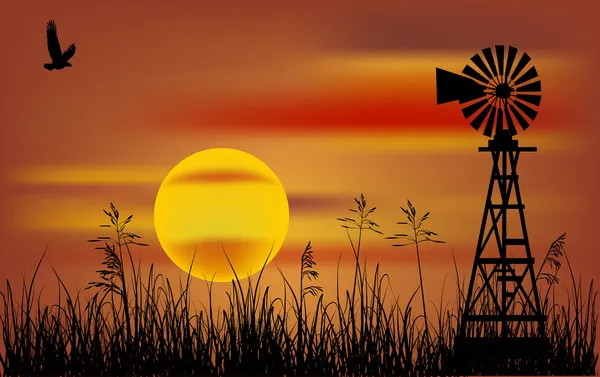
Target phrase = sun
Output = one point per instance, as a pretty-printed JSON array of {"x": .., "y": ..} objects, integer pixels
[{"x": 221, "y": 201}]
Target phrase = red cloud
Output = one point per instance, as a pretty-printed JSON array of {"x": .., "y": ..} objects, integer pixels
[{"x": 332, "y": 113}]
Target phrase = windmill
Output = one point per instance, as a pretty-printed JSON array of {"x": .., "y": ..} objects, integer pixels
[{"x": 499, "y": 91}]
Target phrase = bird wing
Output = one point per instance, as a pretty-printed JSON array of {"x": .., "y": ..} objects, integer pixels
[
  {"x": 69, "y": 52},
  {"x": 53, "y": 44}
]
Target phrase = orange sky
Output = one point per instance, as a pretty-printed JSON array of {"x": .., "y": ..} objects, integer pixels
[{"x": 337, "y": 98}]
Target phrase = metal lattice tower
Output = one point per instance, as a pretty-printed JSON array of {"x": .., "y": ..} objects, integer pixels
[{"x": 492, "y": 258}]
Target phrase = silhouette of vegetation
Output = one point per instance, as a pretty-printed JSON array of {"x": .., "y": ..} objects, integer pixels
[
  {"x": 140, "y": 326},
  {"x": 418, "y": 236}
]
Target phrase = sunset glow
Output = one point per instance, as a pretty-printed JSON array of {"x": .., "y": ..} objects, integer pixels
[{"x": 293, "y": 136}]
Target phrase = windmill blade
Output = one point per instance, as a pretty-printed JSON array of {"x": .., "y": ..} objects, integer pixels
[
  {"x": 510, "y": 123},
  {"x": 535, "y": 86},
  {"x": 522, "y": 63},
  {"x": 469, "y": 71},
  {"x": 531, "y": 113},
  {"x": 534, "y": 99},
  {"x": 512, "y": 54},
  {"x": 500, "y": 56},
  {"x": 481, "y": 65},
  {"x": 500, "y": 122},
  {"x": 529, "y": 75},
  {"x": 489, "y": 58},
  {"x": 472, "y": 109},
  {"x": 489, "y": 127},
  {"x": 524, "y": 124},
  {"x": 476, "y": 123}
]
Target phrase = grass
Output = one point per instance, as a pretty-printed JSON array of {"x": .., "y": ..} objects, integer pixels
[
  {"x": 418, "y": 236},
  {"x": 136, "y": 324}
]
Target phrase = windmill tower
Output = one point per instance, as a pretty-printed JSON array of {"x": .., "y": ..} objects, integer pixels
[{"x": 498, "y": 94}]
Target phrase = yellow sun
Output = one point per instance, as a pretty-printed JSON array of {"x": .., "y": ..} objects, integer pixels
[{"x": 221, "y": 201}]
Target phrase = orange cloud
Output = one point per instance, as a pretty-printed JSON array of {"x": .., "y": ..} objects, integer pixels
[
  {"x": 313, "y": 203},
  {"x": 219, "y": 177},
  {"x": 105, "y": 175},
  {"x": 207, "y": 254},
  {"x": 329, "y": 254}
]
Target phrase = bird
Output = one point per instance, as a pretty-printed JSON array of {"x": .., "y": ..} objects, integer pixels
[{"x": 60, "y": 59}]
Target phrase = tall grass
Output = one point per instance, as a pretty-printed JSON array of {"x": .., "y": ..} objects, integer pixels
[
  {"x": 419, "y": 235},
  {"x": 139, "y": 324}
]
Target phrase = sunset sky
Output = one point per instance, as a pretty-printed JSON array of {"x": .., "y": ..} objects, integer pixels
[{"x": 336, "y": 97}]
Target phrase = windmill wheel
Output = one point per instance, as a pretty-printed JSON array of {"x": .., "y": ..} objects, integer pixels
[{"x": 511, "y": 92}]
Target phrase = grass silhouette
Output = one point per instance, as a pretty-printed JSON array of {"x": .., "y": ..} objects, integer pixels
[
  {"x": 418, "y": 236},
  {"x": 135, "y": 324}
]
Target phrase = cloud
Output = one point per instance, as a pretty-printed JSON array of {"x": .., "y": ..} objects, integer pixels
[
  {"x": 326, "y": 113},
  {"x": 352, "y": 94},
  {"x": 75, "y": 213},
  {"x": 328, "y": 254},
  {"x": 312, "y": 203},
  {"x": 223, "y": 176},
  {"x": 90, "y": 175},
  {"x": 443, "y": 26},
  {"x": 208, "y": 255}
]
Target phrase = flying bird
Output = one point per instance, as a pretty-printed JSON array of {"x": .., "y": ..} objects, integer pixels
[{"x": 60, "y": 59}]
